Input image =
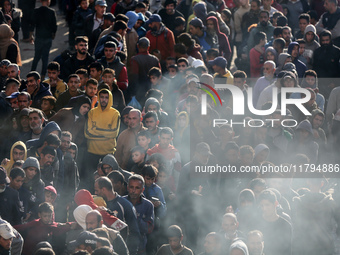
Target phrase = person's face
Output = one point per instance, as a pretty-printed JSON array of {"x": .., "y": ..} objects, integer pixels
[
  {"x": 232, "y": 156},
  {"x": 172, "y": 72},
  {"x": 138, "y": 24},
  {"x": 12, "y": 72},
  {"x": 46, "y": 106},
  {"x": 286, "y": 35},
  {"x": 84, "y": 108},
  {"x": 170, "y": 9},
  {"x": 309, "y": 36},
  {"x": 302, "y": 48},
  {"x": 161, "y": 178},
  {"x": 154, "y": 79},
  {"x": 194, "y": 30},
  {"x": 164, "y": 140},
  {"x": 152, "y": 108},
  {"x": 35, "y": 121},
  {"x": 14, "y": 103},
  {"x": 91, "y": 222},
  {"x": 262, "y": 156},
  {"x": 82, "y": 48},
  {"x": 143, "y": 141},
  {"x": 288, "y": 60},
  {"x": 134, "y": 120},
  {"x": 126, "y": 119},
  {"x": 97, "y": 190},
  {"x": 65, "y": 143},
  {"x": 210, "y": 25},
  {"x": 94, "y": 73},
  {"x": 72, "y": 153},
  {"x": 84, "y": 4},
  {"x": 210, "y": 244},
  {"x": 264, "y": 19},
  {"x": 106, "y": 169},
  {"x": 91, "y": 90},
  {"x": 149, "y": 180},
  {"x": 295, "y": 51},
  {"x": 73, "y": 84},
  {"x": 3, "y": 70},
  {"x": 104, "y": 100},
  {"x": 83, "y": 80},
  {"x": 110, "y": 53},
  {"x": 23, "y": 102},
  {"x": 268, "y": 70},
  {"x": 7, "y": 6},
  {"x": 317, "y": 121},
  {"x": 135, "y": 189},
  {"x": 18, "y": 154},
  {"x": 46, "y": 217},
  {"x": 270, "y": 56},
  {"x": 49, "y": 197},
  {"x": 302, "y": 24},
  {"x": 328, "y": 5},
  {"x": 238, "y": 82},
  {"x": 11, "y": 89},
  {"x": 17, "y": 182},
  {"x": 325, "y": 40},
  {"x": 100, "y": 10},
  {"x": 255, "y": 244},
  {"x": 267, "y": 208},
  {"x": 169, "y": 62},
  {"x": 108, "y": 78},
  {"x": 31, "y": 172},
  {"x": 182, "y": 121},
  {"x": 289, "y": 83},
  {"x": 46, "y": 160},
  {"x": 151, "y": 124},
  {"x": 137, "y": 157},
  {"x": 6, "y": 243},
  {"x": 182, "y": 66},
  {"x": 229, "y": 226},
  {"x": 254, "y": 7},
  {"x": 32, "y": 85},
  {"x": 266, "y": 3},
  {"x": 175, "y": 242},
  {"x": 52, "y": 74}
]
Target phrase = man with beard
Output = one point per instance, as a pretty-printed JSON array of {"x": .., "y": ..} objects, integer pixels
[
  {"x": 48, "y": 172},
  {"x": 36, "y": 88},
  {"x": 36, "y": 121},
  {"x": 169, "y": 14},
  {"x": 82, "y": 59},
  {"x": 160, "y": 37},
  {"x": 326, "y": 62},
  {"x": 72, "y": 91},
  {"x": 263, "y": 26},
  {"x": 144, "y": 208},
  {"x": 110, "y": 60}
]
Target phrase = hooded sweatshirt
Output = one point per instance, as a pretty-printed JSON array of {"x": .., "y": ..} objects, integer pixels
[
  {"x": 313, "y": 45},
  {"x": 84, "y": 197},
  {"x": 102, "y": 128},
  {"x": 9, "y": 164},
  {"x": 300, "y": 66},
  {"x": 281, "y": 62},
  {"x": 320, "y": 99},
  {"x": 223, "y": 42}
]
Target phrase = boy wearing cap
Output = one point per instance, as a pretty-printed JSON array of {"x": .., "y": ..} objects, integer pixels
[
  {"x": 222, "y": 74},
  {"x": 6, "y": 238}
]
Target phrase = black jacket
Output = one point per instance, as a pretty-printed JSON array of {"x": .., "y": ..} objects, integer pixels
[
  {"x": 44, "y": 19},
  {"x": 72, "y": 64}
]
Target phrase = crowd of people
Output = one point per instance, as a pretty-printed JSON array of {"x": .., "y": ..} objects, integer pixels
[{"x": 110, "y": 148}]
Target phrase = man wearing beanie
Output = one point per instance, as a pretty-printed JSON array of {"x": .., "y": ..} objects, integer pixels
[{"x": 169, "y": 14}]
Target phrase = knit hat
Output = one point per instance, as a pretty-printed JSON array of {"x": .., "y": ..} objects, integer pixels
[
  {"x": 31, "y": 162},
  {"x": 80, "y": 214},
  {"x": 196, "y": 22},
  {"x": 110, "y": 160}
]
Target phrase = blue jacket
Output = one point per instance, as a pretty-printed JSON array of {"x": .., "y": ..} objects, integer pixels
[
  {"x": 155, "y": 191},
  {"x": 300, "y": 66},
  {"x": 44, "y": 90},
  {"x": 124, "y": 210}
]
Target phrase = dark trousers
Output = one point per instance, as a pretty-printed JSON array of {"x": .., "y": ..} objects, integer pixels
[
  {"x": 25, "y": 23},
  {"x": 42, "y": 50}
]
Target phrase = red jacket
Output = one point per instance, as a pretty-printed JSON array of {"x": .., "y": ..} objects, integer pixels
[{"x": 164, "y": 43}]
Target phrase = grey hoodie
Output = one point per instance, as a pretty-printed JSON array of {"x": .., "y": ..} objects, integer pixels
[{"x": 314, "y": 44}]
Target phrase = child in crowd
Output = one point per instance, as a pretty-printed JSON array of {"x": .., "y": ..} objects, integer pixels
[
  {"x": 138, "y": 158},
  {"x": 143, "y": 139},
  {"x": 57, "y": 85},
  {"x": 47, "y": 106}
]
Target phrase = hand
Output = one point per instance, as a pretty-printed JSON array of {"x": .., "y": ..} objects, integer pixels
[
  {"x": 5, "y": 161},
  {"x": 156, "y": 203},
  {"x": 229, "y": 209},
  {"x": 197, "y": 192}
]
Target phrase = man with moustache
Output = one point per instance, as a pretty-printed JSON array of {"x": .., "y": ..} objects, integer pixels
[{"x": 82, "y": 59}]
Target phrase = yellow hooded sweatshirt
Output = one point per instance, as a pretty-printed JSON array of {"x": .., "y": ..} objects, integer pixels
[
  {"x": 9, "y": 164},
  {"x": 102, "y": 128}
]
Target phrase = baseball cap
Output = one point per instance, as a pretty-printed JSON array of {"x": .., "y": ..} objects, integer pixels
[
  {"x": 87, "y": 238},
  {"x": 13, "y": 95},
  {"x": 109, "y": 16},
  {"x": 5, "y": 62},
  {"x": 219, "y": 61},
  {"x": 196, "y": 22},
  {"x": 101, "y": 3},
  {"x": 6, "y": 231},
  {"x": 203, "y": 149},
  {"x": 154, "y": 18},
  {"x": 3, "y": 176}
]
